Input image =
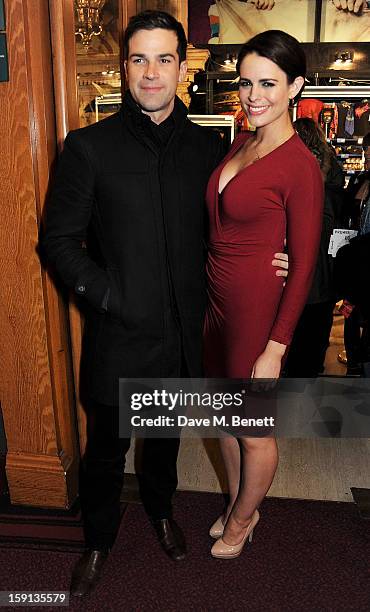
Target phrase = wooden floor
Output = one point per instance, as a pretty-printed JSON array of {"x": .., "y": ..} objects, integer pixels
[{"x": 308, "y": 469}]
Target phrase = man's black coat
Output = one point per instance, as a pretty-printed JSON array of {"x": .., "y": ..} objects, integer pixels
[{"x": 140, "y": 213}]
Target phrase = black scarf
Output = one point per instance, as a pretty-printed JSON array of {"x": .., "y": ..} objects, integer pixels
[{"x": 160, "y": 133}]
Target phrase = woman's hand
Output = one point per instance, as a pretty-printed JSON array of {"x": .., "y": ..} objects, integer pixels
[{"x": 268, "y": 364}]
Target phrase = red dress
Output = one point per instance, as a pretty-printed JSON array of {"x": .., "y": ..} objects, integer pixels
[{"x": 278, "y": 196}]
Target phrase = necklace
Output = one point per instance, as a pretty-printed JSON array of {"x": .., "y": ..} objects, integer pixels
[{"x": 270, "y": 149}]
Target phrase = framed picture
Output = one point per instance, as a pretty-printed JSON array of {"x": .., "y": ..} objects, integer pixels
[
  {"x": 235, "y": 21},
  {"x": 4, "y": 70},
  {"x": 2, "y": 16},
  {"x": 338, "y": 25}
]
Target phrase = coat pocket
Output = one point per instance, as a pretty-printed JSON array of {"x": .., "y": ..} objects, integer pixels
[{"x": 114, "y": 306}]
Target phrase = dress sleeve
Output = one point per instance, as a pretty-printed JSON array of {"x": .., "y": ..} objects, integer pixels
[{"x": 304, "y": 213}]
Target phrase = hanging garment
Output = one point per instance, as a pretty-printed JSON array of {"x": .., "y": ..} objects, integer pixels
[
  {"x": 362, "y": 118},
  {"x": 349, "y": 124},
  {"x": 309, "y": 107},
  {"x": 344, "y": 109}
]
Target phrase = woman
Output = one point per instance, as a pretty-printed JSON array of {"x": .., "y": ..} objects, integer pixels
[
  {"x": 267, "y": 188},
  {"x": 311, "y": 337}
]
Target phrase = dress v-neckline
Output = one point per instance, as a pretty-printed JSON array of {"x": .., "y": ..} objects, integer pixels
[{"x": 227, "y": 159}]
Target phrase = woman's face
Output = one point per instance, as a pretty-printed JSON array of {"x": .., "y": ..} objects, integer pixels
[{"x": 264, "y": 90}]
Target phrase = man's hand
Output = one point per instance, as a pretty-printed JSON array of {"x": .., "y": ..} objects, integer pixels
[
  {"x": 354, "y": 6},
  {"x": 281, "y": 261},
  {"x": 264, "y": 4}
]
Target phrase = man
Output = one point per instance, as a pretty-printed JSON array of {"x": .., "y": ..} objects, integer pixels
[
  {"x": 358, "y": 190},
  {"x": 351, "y": 269},
  {"x": 132, "y": 188}
]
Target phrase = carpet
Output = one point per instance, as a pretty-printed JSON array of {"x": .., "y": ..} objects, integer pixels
[
  {"x": 39, "y": 528},
  {"x": 305, "y": 556}
]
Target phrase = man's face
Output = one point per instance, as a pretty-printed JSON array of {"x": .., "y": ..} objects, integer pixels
[
  {"x": 367, "y": 158},
  {"x": 153, "y": 71}
]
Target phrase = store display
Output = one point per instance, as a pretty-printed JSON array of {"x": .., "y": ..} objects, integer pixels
[
  {"x": 343, "y": 110},
  {"x": 329, "y": 119},
  {"x": 346, "y": 120},
  {"x": 349, "y": 152},
  {"x": 310, "y": 108},
  {"x": 362, "y": 118}
]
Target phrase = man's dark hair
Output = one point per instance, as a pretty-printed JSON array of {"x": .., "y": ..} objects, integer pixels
[
  {"x": 366, "y": 141},
  {"x": 150, "y": 20},
  {"x": 279, "y": 47}
]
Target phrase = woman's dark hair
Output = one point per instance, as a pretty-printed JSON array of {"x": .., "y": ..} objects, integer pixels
[
  {"x": 150, "y": 20},
  {"x": 279, "y": 47},
  {"x": 314, "y": 138}
]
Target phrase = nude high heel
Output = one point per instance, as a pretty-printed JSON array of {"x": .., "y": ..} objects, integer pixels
[
  {"x": 221, "y": 550},
  {"x": 217, "y": 528}
]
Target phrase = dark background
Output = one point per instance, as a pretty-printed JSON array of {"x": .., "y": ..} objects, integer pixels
[{"x": 199, "y": 28}]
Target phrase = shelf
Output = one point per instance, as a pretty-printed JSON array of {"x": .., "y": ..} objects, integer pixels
[
  {"x": 354, "y": 140},
  {"x": 335, "y": 92}
]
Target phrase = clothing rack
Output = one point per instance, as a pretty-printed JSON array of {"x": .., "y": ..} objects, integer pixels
[{"x": 347, "y": 147}]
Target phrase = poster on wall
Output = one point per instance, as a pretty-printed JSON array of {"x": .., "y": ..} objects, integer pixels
[
  {"x": 351, "y": 24},
  {"x": 2, "y": 16},
  {"x": 235, "y": 21}
]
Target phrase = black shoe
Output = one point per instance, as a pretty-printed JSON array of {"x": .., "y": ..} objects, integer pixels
[
  {"x": 87, "y": 571},
  {"x": 171, "y": 538}
]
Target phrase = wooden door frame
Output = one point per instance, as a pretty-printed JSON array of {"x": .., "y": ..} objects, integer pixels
[{"x": 62, "y": 24}]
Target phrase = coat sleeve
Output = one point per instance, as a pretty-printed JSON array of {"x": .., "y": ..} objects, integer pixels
[
  {"x": 304, "y": 212},
  {"x": 68, "y": 216}
]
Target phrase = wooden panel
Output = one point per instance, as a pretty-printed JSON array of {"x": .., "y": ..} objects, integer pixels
[
  {"x": 40, "y": 80},
  {"x": 177, "y": 8},
  {"x": 62, "y": 26},
  {"x": 24, "y": 372},
  {"x": 42, "y": 480},
  {"x": 64, "y": 65},
  {"x": 35, "y": 379},
  {"x": 128, "y": 8}
]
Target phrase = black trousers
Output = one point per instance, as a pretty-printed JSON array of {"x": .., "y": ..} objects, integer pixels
[
  {"x": 102, "y": 467},
  {"x": 357, "y": 339},
  {"x": 310, "y": 341},
  {"x": 102, "y": 474}
]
